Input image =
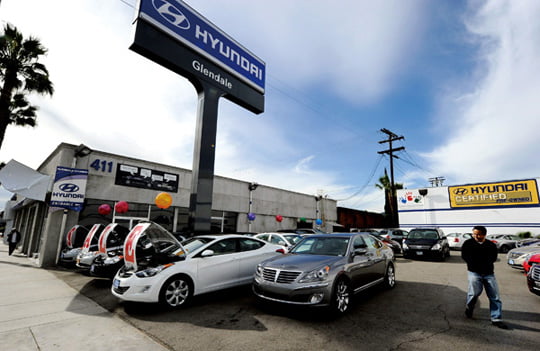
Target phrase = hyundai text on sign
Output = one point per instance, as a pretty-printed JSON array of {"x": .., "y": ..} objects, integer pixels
[
  {"x": 185, "y": 25},
  {"x": 513, "y": 193}
]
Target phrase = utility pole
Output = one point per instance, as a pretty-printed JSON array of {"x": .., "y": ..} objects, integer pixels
[
  {"x": 390, "y": 151},
  {"x": 437, "y": 181}
]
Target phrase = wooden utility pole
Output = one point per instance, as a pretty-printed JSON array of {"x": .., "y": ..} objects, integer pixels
[{"x": 390, "y": 151}]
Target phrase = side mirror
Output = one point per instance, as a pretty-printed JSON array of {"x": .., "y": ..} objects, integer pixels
[
  {"x": 207, "y": 253},
  {"x": 360, "y": 251}
]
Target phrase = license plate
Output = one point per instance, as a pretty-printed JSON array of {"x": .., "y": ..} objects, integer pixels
[
  {"x": 419, "y": 253},
  {"x": 116, "y": 283},
  {"x": 511, "y": 262},
  {"x": 537, "y": 284}
]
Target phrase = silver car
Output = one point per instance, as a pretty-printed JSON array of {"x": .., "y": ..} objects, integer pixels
[
  {"x": 517, "y": 256},
  {"x": 504, "y": 242},
  {"x": 326, "y": 270}
]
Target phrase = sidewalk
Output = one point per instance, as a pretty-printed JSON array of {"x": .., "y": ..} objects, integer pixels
[{"x": 40, "y": 312}]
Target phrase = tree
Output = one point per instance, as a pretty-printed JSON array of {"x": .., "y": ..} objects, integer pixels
[
  {"x": 390, "y": 203},
  {"x": 20, "y": 74}
]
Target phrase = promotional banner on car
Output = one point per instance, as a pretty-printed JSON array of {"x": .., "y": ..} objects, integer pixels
[
  {"x": 69, "y": 236},
  {"x": 69, "y": 188},
  {"x": 512, "y": 193},
  {"x": 102, "y": 248},
  {"x": 88, "y": 240},
  {"x": 130, "y": 245}
]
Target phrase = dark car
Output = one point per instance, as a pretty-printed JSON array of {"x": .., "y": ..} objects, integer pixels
[
  {"x": 426, "y": 242},
  {"x": 533, "y": 279},
  {"x": 325, "y": 270},
  {"x": 73, "y": 245},
  {"x": 110, "y": 257},
  {"x": 393, "y": 244}
]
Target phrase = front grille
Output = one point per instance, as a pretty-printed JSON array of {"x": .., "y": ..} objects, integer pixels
[
  {"x": 121, "y": 289},
  {"x": 419, "y": 247},
  {"x": 279, "y": 276},
  {"x": 535, "y": 272}
]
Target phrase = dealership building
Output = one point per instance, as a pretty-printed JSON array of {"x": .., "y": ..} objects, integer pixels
[
  {"x": 506, "y": 207},
  {"x": 106, "y": 179}
]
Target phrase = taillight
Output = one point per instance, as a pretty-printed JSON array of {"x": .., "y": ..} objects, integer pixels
[
  {"x": 456, "y": 240},
  {"x": 495, "y": 241},
  {"x": 280, "y": 251}
]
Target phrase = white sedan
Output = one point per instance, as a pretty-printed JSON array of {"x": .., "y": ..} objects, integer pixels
[
  {"x": 285, "y": 240},
  {"x": 456, "y": 240},
  {"x": 160, "y": 269}
]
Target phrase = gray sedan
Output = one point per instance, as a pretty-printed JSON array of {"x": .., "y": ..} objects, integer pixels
[{"x": 326, "y": 270}]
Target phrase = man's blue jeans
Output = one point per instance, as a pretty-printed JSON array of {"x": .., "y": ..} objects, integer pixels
[{"x": 476, "y": 283}]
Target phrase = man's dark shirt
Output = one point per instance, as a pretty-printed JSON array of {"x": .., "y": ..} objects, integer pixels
[{"x": 479, "y": 257}]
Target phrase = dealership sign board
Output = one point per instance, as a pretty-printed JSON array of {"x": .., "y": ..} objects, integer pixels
[
  {"x": 174, "y": 35},
  {"x": 69, "y": 188},
  {"x": 512, "y": 193}
]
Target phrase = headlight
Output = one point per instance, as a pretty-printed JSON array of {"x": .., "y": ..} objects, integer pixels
[
  {"x": 259, "y": 270},
  {"x": 437, "y": 246},
  {"x": 405, "y": 247},
  {"x": 150, "y": 272},
  {"x": 315, "y": 275},
  {"x": 112, "y": 260}
]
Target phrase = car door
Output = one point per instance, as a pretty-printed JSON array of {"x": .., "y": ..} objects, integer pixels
[
  {"x": 375, "y": 255},
  {"x": 251, "y": 253},
  {"x": 219, "y": 270},
  {"x": 359, "y": 267}
]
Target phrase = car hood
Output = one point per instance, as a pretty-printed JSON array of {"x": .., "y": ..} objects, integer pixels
[
  {"x": 526, "y": 249},
  {"x": 297, "y": 262}
]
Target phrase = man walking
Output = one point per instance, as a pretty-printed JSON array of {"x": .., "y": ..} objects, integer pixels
[
  {"x": 480, "y": 254},
  {"x": 13, "y": 239}
]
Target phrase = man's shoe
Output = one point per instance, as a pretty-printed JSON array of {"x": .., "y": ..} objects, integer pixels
[
  {"x": 500, "y": 324},
  {"x": 468, "y": 313}
]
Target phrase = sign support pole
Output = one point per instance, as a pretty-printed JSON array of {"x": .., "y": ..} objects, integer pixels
[{"x": 204, "y": 154}]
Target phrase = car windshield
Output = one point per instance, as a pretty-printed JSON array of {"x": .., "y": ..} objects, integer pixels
[
  {"x": 293, "y": 238},
  {"x": 193, "y": 244},
  {"x": 423, "y": 234},
  {"x": 326, "y": 246}
]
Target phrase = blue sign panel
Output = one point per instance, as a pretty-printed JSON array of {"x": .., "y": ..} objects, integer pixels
[
  {"x": 69, "y": 188},
  {"x": 180, "y": 21}
]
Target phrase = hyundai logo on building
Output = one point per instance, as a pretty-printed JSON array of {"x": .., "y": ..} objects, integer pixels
[
  {"x": 69, "y": 187},
  {"x": 460, "y": 191},
  {"x": 185, "y": 25}
]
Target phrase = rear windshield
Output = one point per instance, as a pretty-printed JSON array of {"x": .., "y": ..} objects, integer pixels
[{"x": 423, "y": 234}]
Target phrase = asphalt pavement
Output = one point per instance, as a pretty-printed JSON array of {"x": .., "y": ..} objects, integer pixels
[{"x": 38, "y": 311}]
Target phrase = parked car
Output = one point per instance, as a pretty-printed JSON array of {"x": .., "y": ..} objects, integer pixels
[
  {"x": 393, "y": 244},
  {"x": 90, "y": 247},
  {"x": 533, "y": 279},
  {"x": 302, "y": 231},
  {"x": 528, "y": 241},
  {"x": 517, "y": 256},
  {"x": 158, "y": 268},
  {"x": 395, "y": 234},
  {"x": 456, "y": 240},
  {"x": 287, "y": 240},
  {"x": 326, "y": 270},
  {"x": 110, "y": 257},
  {"x": 531, "y": 261},
  {"x": 504, "y": 242},
  {"x": 426, "y": 242},
  {"x": 73, "y": 245}
]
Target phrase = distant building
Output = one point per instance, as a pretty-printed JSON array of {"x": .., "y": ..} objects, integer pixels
[
  {"x": 112, "y": 178},
  {"x": 505, "y": 207}
]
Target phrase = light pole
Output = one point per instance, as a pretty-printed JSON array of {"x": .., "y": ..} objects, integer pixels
[{"x": 251, "y": 186}]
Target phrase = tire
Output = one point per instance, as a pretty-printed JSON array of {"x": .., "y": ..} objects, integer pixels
[
  {"x": 342, "y": 297},
  {"x": 390, "y": 276},
  {"x": 504, "y": 249},
  {"x": 177, "y": 291}
]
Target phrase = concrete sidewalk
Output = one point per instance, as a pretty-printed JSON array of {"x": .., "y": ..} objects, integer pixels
[{"x": 38, "y": 311}]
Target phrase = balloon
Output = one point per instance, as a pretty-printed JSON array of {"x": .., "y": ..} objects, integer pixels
[
  {"x": 121, "y": 207},
  {"x": 279, "y": 218},
  {"x": 251, "y": 216},
  {"x": 104, "y": 209},
  {"x": 318, "y": 221},
  {"x": 163, "y": 200}
]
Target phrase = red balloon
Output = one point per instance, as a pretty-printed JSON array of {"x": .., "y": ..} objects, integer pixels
[
  {"x": 121, "y": 207},
  {"x": 279, "y": 218},
  {"x": 104, "y": 209}
]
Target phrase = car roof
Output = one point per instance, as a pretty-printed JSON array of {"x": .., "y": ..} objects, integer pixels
[{"x": 222, "y": 236}]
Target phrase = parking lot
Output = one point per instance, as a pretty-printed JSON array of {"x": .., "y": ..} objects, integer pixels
[{"x": 423, "y": 312}]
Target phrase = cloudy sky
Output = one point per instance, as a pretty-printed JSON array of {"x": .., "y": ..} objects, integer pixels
[{"x": 459, "y": 80}]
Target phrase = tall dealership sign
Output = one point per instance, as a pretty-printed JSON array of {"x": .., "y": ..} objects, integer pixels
[
  {"x": 69, "y": 188},
  {"x": 174, "y": 35}
]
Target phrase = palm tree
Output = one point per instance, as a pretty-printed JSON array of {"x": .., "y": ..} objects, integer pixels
[
  {"x": 20, "y": 73},
  {"x": 390, "y": 203}
]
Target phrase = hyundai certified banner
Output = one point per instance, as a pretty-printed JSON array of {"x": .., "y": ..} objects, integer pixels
[{"x": 69, "y": 188}]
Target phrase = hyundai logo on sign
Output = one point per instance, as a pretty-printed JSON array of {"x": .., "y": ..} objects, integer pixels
[
  {"x": 177, "y": 19},
  {"x": 69, "y": 188}
]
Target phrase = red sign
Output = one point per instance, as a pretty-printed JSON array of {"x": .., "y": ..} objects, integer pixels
[
  {"x": 69, "y": 237},
  {"x": 89, "y": 237},
  {"x": 131, "y": 243},
  {"x": 103, "y": 238}
]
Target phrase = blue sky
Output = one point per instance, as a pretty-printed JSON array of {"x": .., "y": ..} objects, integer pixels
[{"x": 457, "y": 79}]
